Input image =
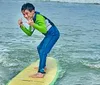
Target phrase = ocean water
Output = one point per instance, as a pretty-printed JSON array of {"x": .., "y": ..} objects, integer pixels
[
  {"x": 78, "y": 1},
  {"x": 70, "y": 1},
  {"x": 77, "y": 50}
]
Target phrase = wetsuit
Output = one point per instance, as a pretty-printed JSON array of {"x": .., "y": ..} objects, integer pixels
[{"x": 51, "y": 33}]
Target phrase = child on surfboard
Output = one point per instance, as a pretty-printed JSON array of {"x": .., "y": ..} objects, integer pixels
[{"x": 46, "y": 27}]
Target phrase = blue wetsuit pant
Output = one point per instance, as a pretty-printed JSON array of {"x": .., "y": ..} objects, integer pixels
[{"x": 46, "y": 45}]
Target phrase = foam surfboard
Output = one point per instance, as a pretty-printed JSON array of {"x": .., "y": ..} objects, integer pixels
[{"x": 49, "y": 79}]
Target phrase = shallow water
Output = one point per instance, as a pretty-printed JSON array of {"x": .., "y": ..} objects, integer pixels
[{"x": 78, "y": 49}]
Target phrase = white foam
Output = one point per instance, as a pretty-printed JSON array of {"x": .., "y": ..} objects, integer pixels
[{"x": 91, "y": 64}]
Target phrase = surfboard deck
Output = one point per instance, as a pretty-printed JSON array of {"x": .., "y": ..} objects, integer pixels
[{"x": 49, "y": 79}]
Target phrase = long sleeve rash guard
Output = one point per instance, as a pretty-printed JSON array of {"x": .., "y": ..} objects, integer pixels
[{"x": 39, "y": 24}]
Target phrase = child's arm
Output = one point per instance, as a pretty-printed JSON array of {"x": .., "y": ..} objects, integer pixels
[
  {"x": 40, "y": 24},
  {"x": 27, "y": 31}
]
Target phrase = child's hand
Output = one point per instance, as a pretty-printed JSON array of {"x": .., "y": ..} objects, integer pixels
[
  {"x": 20, "y": 22},
  {"x": 30, "y": 22}
]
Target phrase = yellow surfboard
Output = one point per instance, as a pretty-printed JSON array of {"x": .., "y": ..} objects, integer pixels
[{"x": 49, "y": 79}]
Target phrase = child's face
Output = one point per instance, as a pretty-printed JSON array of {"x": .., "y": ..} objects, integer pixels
[{"x": 27, "y": 14}]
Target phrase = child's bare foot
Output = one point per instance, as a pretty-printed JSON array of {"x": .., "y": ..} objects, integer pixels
[
  {"x": 37, "y": 68},
  {"x": 37, "y": 75}
]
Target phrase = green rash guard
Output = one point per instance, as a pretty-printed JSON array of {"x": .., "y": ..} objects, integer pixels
[{"x": 39, "y": 24}]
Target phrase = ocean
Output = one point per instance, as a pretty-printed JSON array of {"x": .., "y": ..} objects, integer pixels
[{"x": 77, "y": 50}]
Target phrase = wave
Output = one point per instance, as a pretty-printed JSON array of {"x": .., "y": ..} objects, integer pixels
[{"x": 91, "y": 64}]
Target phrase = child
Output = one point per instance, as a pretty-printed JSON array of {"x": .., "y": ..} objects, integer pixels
[{"x": 46, "y": 27}]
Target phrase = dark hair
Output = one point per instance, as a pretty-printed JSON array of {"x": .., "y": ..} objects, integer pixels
[{"x": 27, "y": 6}]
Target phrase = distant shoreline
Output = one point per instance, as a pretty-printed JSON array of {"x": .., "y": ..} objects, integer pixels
[
  {"x": 76, "y": 2},
  {"x": 60, "y": 1}
]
